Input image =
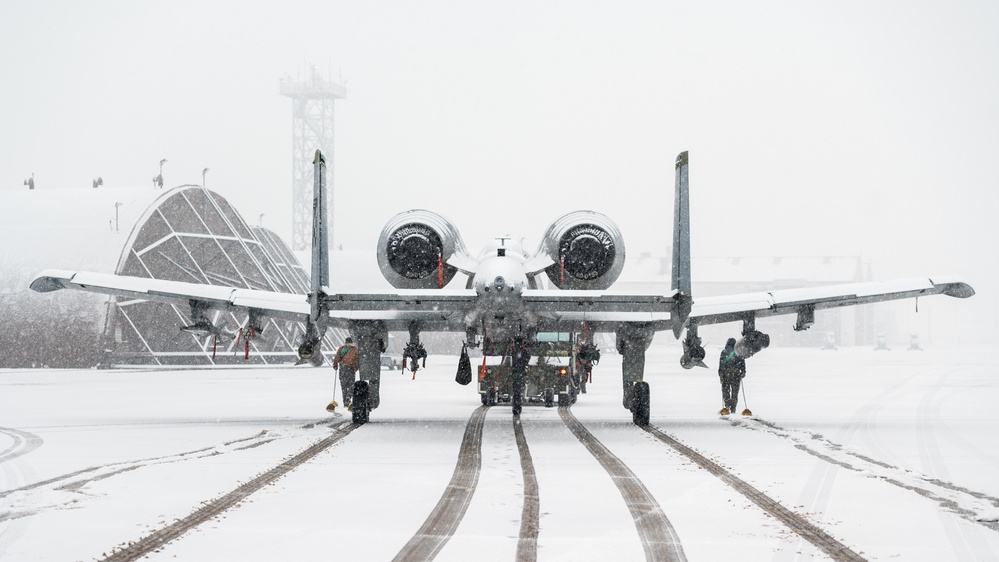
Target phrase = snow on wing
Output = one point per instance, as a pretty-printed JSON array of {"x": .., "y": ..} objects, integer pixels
[
  {"x": 728, "y": 308},
  {"x": 273, "y": 304}
]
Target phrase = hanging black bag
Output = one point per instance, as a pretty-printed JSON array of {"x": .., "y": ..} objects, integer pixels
[{"x": 464, "y": 375}]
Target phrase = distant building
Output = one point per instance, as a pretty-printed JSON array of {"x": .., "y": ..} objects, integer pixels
[{"x": 187, "y": 233}]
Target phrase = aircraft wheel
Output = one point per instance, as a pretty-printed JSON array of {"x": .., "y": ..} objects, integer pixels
[
  {"x": 491, "y": 397},
  {"x": 640, "y": 404},
  {"x": 360, "y": 402},
  {"x": 549, "y": 397},
  {"x": 485, "y": 399}
]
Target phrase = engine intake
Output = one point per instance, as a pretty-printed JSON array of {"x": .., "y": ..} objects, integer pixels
[
  {"x": 587, "y": 249},
  {"x": 414, "y": 248}
]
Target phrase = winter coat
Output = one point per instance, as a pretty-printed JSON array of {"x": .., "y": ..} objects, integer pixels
[
  {"x": 730, "y": 365},
  {"x": 347, "y": 356}
]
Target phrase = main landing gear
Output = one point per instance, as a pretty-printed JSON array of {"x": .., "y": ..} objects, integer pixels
[
  {"x": 360, "y": 404},
  {"x": 640, "y": 404},
  {"x": 370, "y": 337},
  {"x": 632, "y": 341}
]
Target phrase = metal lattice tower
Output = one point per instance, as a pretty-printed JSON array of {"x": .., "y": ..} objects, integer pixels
[{"x": 312, "y": 128}]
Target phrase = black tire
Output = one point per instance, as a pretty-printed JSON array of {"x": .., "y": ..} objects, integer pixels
[
  {"x": 640, "y": 404},
  {"x": 360, "y": 402},
  {"x": 549, "y": 397},
  {"x": 491, "y": 397},
  {"x": 485, "y": 399},
  {"x": 563, "y": 399}
]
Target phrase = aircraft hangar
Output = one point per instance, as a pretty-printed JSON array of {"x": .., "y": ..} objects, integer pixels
[{"x": 187, "y": 233}]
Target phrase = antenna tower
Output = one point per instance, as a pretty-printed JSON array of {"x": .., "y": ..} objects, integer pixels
[{"x": 312, "y": 128}]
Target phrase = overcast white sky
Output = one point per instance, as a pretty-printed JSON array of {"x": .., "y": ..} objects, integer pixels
[{"x": 814, "y": 128}]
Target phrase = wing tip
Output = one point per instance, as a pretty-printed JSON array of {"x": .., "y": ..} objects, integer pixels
[
  {"x": 46, "y": 284},
  {"x": 959, "y": 290},
  {"x": 953, "y": 286}
]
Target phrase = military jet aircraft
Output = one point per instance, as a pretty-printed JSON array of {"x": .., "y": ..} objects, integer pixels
[{"x": 582, "y": 254}]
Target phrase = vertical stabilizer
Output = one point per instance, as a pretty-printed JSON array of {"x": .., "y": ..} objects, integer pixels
[
  {"x": 681, "y": 245},
  {"x": 320, "y": 250},
  {"x": 310, "y": 351},
  {"x": 320, "y": 235}
]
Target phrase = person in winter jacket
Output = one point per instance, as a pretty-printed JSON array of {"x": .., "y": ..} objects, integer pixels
[
  {"x": 731, "y": 370},
  {"x": 346, "y": 361}
]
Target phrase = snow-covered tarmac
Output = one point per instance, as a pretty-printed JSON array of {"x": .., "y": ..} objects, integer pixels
[{"x": 894, "y": 454}]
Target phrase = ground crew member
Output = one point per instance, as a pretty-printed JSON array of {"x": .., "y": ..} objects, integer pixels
[
  {"x": 346, "y": 362},
  {"x": 731, "y": 370}
]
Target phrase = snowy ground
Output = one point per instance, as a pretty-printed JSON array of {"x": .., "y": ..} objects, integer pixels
[{"x": 894, "y": 454}]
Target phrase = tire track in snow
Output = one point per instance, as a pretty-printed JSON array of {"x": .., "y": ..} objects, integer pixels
[
  {"x": 659, "y": 539},
  {"x": 973, "y": 506},
  {"x": 530, "y": 516},
  {"x": 442, "y": 522},
  {"x": 817, "y": 491},
  {"x": 966, "y": 545},
  {"x": 822, "y": 540},
  {"x": 24, "y": 443},
  {"x": 15, "y": 473},
  {"x": 157, "y": 539}
]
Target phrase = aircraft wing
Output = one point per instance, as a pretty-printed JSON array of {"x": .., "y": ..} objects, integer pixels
[
  {"x": 437, "y": 310},
  {"x": 603, "y": 311},
  {"x": 288, "y": 306},
  {"x": 440, "y": 310},
  {"x": 730, "y": 308},
  {"x": 447, "y": 309}
]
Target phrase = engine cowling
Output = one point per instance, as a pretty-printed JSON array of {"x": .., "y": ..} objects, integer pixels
[
  {"x": 588, "y": 251},
  {"x": 414, "y": 248}
]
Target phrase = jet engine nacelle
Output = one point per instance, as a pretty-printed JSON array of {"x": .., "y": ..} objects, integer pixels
[
  {"x": 751, "y": 343},
  {"x": 587, "y": 249},
  {"x": 414, "y": 247}
]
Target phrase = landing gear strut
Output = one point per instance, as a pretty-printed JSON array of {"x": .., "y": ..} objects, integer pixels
[
  {"x": 632, "y": 341},
  {"x": 371, "y": 338}
]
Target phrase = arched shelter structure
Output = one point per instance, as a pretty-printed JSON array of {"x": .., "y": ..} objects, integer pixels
[{"x": 187, "y": 233}]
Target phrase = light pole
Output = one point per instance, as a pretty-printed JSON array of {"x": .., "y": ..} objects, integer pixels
[
  {"x": 116, "y": 205},
  {"x": 158, "y": 180},
  {"x": 203, "y": 172}
]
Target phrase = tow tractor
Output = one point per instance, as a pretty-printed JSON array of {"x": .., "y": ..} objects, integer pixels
[{"x": 550, "y": 373}]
